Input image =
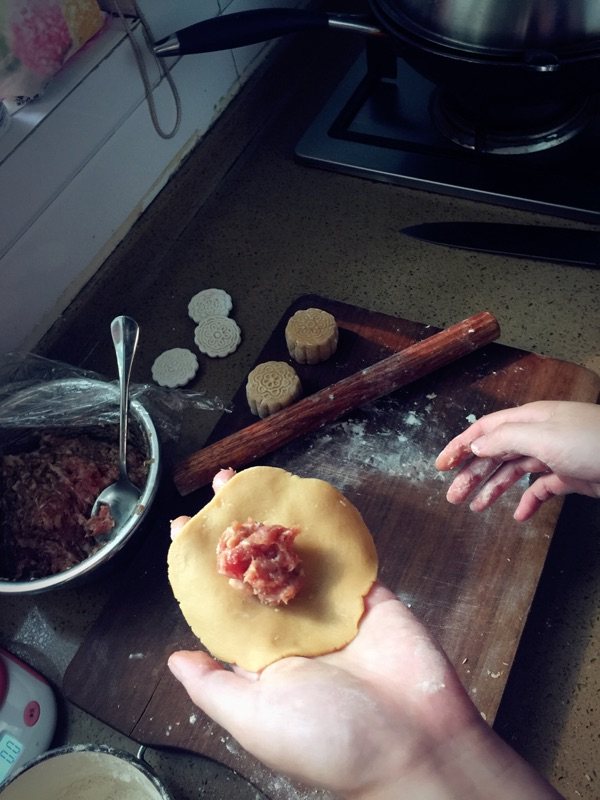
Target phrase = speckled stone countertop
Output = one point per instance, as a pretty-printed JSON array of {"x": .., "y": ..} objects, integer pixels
[{"x": 242, "y": 215}]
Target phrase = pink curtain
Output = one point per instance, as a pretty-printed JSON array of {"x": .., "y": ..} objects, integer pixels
[{"x": 37, "y": 37}]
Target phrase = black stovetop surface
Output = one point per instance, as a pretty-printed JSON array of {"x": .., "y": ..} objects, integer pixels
[{"x": 380, "y": 128}]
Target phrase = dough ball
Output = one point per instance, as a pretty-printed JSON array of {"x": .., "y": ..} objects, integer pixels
[{"x": 338, "y": 557}]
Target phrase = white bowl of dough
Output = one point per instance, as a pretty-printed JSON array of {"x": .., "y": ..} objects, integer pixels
[{"x": 84, "y": 772}]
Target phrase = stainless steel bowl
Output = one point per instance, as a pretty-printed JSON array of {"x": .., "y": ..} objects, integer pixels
[{"x": 101, "y": 400}]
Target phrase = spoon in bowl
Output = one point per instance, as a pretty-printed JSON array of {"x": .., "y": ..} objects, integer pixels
[{"x": 122, "y": 496}]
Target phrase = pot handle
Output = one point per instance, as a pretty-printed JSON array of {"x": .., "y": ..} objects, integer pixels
[{"x": 251, "y": 27}]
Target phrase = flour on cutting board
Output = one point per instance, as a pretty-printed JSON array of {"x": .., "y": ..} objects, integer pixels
[{"x": 385, "y": 437}]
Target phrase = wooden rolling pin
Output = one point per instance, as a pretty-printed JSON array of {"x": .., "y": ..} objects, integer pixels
[{"x": 334, "y": 401}]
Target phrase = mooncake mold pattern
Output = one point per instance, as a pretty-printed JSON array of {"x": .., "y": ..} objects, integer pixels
[
  {"x": 217, "y": 337},
  {"x": 175, "y": 367},
  {"x": 311, "y": 336},
  {"x": 210, "y": 303},
  {"x": 271, "y": 386}
]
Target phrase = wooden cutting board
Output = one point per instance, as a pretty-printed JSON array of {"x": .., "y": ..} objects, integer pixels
[{"x": 470, "y": 578}]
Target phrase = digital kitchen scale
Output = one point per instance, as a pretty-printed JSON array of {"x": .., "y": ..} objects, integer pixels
[{"x": 27, "y": 714}]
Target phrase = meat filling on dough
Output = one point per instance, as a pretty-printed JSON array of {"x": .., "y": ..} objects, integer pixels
[
  {"x": 261, "y": 559},
  {"x": 339, "y": 562}
]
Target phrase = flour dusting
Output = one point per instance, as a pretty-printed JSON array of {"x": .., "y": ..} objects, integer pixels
[
  {"x": 430, "y": 687},
  {"x": 412, "y": 419},
  {"x": 384, "y": 438}
]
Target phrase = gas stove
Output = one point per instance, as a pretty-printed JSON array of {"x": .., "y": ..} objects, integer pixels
[{"x": 387, "y": 122}]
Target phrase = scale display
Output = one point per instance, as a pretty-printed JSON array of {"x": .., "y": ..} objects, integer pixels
[
  {"x": 27, "y": 714},
  {"x": 10, "y": 750}
]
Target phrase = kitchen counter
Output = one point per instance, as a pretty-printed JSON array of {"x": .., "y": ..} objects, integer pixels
[{"x": 242, "y": 215}]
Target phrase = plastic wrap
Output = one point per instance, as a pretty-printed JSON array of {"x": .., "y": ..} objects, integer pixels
[{"x": 31, "y": 397}]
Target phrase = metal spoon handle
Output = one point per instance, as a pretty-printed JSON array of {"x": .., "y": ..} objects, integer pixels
[{"x": 125, "y": 333}]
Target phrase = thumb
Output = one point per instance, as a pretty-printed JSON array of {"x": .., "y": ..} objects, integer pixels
[
  {"x": 510, "y": 440},
  {"x": 225, "y": 696}
]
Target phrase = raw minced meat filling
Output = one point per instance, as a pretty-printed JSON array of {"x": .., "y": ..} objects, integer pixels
[
  {"x": 261, "y": 558},
  {"x": 46, "y": 499}
]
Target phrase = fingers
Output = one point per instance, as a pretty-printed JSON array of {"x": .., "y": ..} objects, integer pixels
[
  {"x": 378, "y": 594},
  {"x": 503, "y": 478},
  {"x": 485, "y": 480},
  {"x": 459, "y": 449},
  {"x": 474, "y": 474},
  {"x": 541, "y": 490},
  {"x": 219, "y": 481},
  {"x": 495, "y": 453},
  {"x": 177, "y": 524},
  {"x": 190, "y": 665},
  {"x": 511, "y": 439},
  {"x": 221, "y": 478},
  {"x": 485, "y": 489}
]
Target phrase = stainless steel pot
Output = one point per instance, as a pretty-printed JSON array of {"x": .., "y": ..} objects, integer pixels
[
  {"x": 484, "y": 27},
  {"x": 478, "y": 73},
  {"x": 497, "y": 26},
  {"x": 85, "y": 772}
]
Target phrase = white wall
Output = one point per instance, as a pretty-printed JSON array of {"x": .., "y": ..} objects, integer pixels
[{"x": 79, "y": 166}]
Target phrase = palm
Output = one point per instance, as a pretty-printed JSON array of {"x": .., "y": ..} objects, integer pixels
[{"x": 390, "y": 684}]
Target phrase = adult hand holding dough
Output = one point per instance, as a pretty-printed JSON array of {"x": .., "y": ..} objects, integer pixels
[
  {"x": 383, "y": 718},
  {"x": 338, "y": 558}
]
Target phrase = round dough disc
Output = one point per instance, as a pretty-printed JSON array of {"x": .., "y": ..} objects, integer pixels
[
  {"x": 338, "y": 555},
  {"x": 217, "y": 337},
  {"x": 175, "y": 367},
  {"x": 210, "y": 303}
]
